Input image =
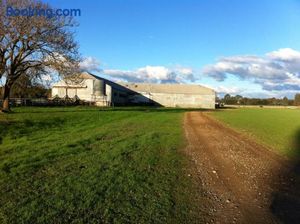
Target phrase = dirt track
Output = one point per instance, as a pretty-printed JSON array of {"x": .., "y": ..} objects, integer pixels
[{"x": 243, "y": 181}]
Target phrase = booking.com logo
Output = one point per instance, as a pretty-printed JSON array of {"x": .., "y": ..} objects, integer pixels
[{"x": 48, "y": 13}]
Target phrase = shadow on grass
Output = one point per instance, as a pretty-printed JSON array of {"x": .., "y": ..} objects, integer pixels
[
  {"x": 37, "y": 110},
  {"x": 220, "y": 109},
  {"x": 54, "y": 109},
  {"x": 154, "y": 109},
  {"x": 17, "y": 129},
  {"x": 286, "y": 201},
  {"x": 4, "y": 127}
]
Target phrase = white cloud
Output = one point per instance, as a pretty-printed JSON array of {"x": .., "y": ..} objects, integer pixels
[
  {"x": 57, "y": 59},
  {"x": 285, "y": 54},
  {"x": 277, "y": 70},
  {"x": 184, "y": 71},
  {"x": 154, "y": 74},
  {"x": 221, "y": 89},
  {"x": 90, "y": 64},
  {"x": 230, "y": 90},
  {"x": 47, "y": 78}
]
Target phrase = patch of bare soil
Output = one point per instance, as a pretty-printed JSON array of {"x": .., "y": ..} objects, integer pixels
[{"x": 243, "y": 181}]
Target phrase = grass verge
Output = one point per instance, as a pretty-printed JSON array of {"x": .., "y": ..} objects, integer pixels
[{"x": 277, "y": 128}]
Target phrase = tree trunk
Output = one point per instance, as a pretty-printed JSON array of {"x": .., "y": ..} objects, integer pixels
[{"x": 5, "y": 106}]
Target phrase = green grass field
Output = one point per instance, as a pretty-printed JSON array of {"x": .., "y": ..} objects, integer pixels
[
  {"x": 277, "y": 128},
  {"x": 86, "y": 165},
  {"x": 121, "y": 165}
]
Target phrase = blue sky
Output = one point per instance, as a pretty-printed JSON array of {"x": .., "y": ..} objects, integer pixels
[{"x": 142, "y": 37}]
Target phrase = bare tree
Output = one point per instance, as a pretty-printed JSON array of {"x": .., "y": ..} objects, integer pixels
[{"x": 33, "y": 45}]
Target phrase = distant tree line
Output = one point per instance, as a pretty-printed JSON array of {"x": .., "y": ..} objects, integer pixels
[
  {"x": 26, "y": 87},
  {"x": 240, "y": 100}
]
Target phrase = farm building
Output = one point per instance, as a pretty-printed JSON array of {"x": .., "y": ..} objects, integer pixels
[{"x": 103, "y": 92}]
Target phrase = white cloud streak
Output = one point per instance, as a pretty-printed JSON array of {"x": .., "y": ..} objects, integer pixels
[
  {"x": 153, "y": 74},
  {"x": 277, "y": 70},
  {"x": 90, "y": 64}
]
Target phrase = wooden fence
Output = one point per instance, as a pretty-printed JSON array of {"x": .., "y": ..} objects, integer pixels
[{"x": 15, "y": 102}]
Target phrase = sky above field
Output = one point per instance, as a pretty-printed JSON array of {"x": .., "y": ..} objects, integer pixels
[{"x": 244, "y": 47}]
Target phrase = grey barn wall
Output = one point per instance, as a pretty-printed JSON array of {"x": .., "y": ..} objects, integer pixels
[
  {"x": 174, "y": 100},
  {"x": 167, "y": 95},
  {"x": 171, "y": 95},
  {"x": 184, "y": 100}
]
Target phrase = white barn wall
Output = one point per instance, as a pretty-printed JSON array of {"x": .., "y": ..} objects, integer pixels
[{"x": 85, "y": 91}]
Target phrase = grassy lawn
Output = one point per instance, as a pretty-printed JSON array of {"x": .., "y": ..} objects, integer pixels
[
  {"x": 85, "y": 165},
  {"x": 278, "y": 128}
]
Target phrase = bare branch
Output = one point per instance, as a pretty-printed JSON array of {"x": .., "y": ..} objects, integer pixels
[{"x": 35, "y": 44}]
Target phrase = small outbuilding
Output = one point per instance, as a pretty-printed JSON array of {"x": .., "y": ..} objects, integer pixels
[{"x": 103, "y": 92}]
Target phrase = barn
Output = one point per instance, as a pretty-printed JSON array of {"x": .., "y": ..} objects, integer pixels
[{"x": 103, "y": 92}]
